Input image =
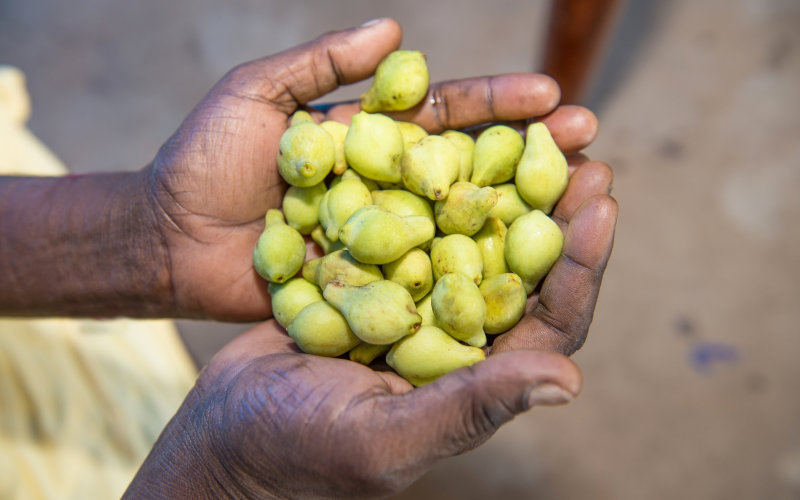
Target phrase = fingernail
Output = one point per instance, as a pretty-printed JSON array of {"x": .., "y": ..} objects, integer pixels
[
  {"x": 548, "y": 394},
  {"x": 373, "y": 21}
]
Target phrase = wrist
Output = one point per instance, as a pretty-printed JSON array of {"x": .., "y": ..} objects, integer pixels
[{"x": 82, "y": 246}]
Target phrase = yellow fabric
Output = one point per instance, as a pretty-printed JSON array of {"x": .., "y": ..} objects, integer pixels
[{"x": 81, "y": 401}]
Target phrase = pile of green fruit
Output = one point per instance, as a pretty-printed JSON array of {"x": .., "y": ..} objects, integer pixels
[{"x": 430, "y": 241}]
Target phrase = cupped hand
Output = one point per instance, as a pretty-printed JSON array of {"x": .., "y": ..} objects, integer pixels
[
  {"x": 267, "y": 421},
  {"x": 215, "y": 178}
]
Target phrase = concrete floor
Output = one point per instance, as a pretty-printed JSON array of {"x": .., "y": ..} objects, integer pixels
[{"x": 693, "y": 364}]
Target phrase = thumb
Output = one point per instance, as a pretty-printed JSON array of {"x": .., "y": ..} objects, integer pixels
[
  {"x": 464, "y": 408},
  {"x": 306, "y": 72}
]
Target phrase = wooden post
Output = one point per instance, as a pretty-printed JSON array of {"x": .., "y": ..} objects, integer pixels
[{"x": 579, "y": 30}]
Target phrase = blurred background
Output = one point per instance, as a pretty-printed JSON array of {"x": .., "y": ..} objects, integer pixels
[{"x": 692, "y": 366}]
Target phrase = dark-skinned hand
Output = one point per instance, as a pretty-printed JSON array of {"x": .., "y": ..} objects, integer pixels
[{"x": 267, "y": 421}]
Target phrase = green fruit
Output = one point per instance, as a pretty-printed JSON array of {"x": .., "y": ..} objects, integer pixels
[
  {"x": 460, "y": 309},
  {"x": 371, "y": 185},
  {"x": 505, "y": 299},
  {"x": 328, "y": 246},
  {"x": 365, "y": 353},
  {"x": 423, "y": 357},
  {"x": 457, "y": 254},
  {"x": 465, "y": 209},
  {"x": 413, "y": 272},
  {"x": 411, "y": 132},
  {"x": 401, "y": 82},
  {"x": 301, "y": 207},
  {"x": 374, "y": 235},
  {"x": 381, "y": 312},
  {"x": 491, "y": 241},
  {"x": 338, "y": 132},
  {"x": 403, "y": 203},
  {"x": 301, "y": 117},
  {"x": 510, "y": 204},
  {"x": 374, "y": 147},
  {"x": 322, "y": 330},
  {"x": 342, "y": 266},
  {"x": 289, "y": 298},
  {"x": 497, "y": 152},
  {"x": 543, "y": 174},
  {"x": 280, "y": 250},
  {"x": 533, "y": 244},
  {"x": 342, "y": 201},
  {"x": 306, "y": 152},
  {"x": 431, "y": 166},
  {"x": 466, "y": 146},
  {"x": 425, "y": 310}
]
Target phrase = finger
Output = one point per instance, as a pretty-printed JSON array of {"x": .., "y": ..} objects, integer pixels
[
  {"x": 306, "y": 72},
  {"x": 560, "y": 320},
  {"x": 572, "y": 127},
  {"x": 462, "y": 103},
  {"x": 590, "y": 179},
  {"x": 575, "y": 160},
  {"x": 467, "y": 406},
  {"x": 397, "y": 384}
]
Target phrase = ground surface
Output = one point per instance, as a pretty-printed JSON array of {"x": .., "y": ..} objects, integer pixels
[{"x": 692, "y": 366}]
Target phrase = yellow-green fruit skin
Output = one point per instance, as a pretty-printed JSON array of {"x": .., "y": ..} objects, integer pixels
[
  {"x": 430, "y": 167},
  {"x": 466, "y": 146},
  {"x": 373, "y": 147},
  {"x": 342, "y": 201},
  {"x": 401, "y": 82},
  {"x": 505, "y": 299},
  {"x": 327, "y": 246},
  {"x": 338, "y": 132},
  {"x": 425, "y": 310},
  {"x": 322, "y": 330},
  {"x": 301, "y": 207},
  {"x": 342, "y": 266},
  {"x": 423, "y": 357},
  {"x": 280, "y": 250},
  {"x": 306, "y": 153},
  {"x": 460, "y": 309},
  {"x": 412, "y": 271},
  {"x": 533, "y": 245},
  {"x": 497, "y": 152},
  {"x": 542, "y": 174},
  {"x": 374, "y": 235},
  {"x": 457, "y": 253},
  {"x": 411, "y": 132},
  {"x": 491, "y": 241},
  {"x": 403, "y": 203},
  {"x": 365, "y": 353},
  {"x": 371, "y": 185},
  {"x": 289, "y": 298},
  {"x": 381, "y": 312},
  {"x": 510, "y": 204},
  {"x": 465, "y": 209}
]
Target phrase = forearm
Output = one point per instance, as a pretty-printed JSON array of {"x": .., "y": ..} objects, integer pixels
[{"x": 82, "y": 246}]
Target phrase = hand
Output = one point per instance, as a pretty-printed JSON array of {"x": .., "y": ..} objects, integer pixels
[
  {"x": 266, "y": 421},
  {"x": 213, "y": 181}
]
